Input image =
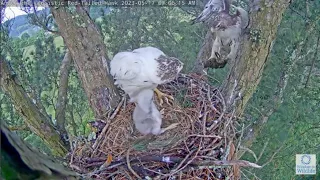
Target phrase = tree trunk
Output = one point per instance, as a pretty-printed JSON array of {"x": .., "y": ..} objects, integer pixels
[
  {"x": 246, "y": 71},
  {"x": 37, "y": 122},
  {"x": 63, "y": 95},
  {"x": 89, "y": 54}
]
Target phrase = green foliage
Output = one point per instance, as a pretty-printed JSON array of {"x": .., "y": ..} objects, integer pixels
[
  {"x": 37, "y": 60},
  {"x": 184, "y": 102},
  {"x": 295, "y": 123},
  {"x": 78, "y": 107},
  {"x": 166, "y": 28},
  {"x": 37, "y": 142}
]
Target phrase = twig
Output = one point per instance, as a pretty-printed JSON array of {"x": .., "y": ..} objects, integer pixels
[
  {"x": 119, "y": 172},
  {"x": 98, "y": 140},
  {"x": 180, "y": 164},
  {"x": 223, "y": 111},
  {"x": 75, "y": 167},
  {"x": 241, "y": 163},
  {"x": 255, "y": 176},
  {"x": 115, "y": 112},
  {"x": 156, "y": 172},
  {"x": 250, "y": 151},
  {"x": 263, "y": 149},
  {"x": 72, "y": 154},
  {"x": 204, "y": 120},
  {"x": 129, "y": 166},
  {"x": 313, "y": 62},
  {"x": 274, "y": 154},
  {"x": 244, "y": 175},
  {"x": 240, "y": 138},
  {"x": 176, "y": 170},
  {"x": 104, "y": 130},
  {"x": 205, "y": 136}
]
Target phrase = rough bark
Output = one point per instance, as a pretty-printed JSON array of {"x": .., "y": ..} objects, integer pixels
[
  {"x": 62, "y": 95},
  {"x": 36, "y": 121},
  {"x": 246, "y": 71},
  {"x": 89, "y": 54}
]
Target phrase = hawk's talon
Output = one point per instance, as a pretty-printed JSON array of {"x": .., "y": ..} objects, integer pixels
[
  {"x": 217, "y": 55},
  {"x": 162, "y": 96}
]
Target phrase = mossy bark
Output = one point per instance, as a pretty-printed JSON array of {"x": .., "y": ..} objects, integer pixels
[
  {"x": 63, "y": 95},
  {"x": 36, "y": 121},
  {"x": 89, "y": 54}
]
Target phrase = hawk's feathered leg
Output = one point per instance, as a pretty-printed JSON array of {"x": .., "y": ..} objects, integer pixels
[
  {"x": 234, "y": 48},
  {"x": 215, "y": 51}
]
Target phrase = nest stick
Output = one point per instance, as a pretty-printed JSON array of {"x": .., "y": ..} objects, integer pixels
[
  {"x": 174, "y": 147},
  {"x": 129, "y": 166}
]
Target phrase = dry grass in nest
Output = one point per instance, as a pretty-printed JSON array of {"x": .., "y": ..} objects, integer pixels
[{"x": 202, "y": 147}]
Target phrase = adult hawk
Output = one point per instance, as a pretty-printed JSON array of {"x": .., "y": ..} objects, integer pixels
[
  {"x": 144, "y": 68},
  {"x": 227, "y": 27}
]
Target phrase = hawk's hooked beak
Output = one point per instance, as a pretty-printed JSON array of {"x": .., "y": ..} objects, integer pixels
[
  {"x": 198, "y": 19},
  {"x": 194, "y": 21}
]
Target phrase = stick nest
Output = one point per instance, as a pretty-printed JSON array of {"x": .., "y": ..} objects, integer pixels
[{"x": 202, "y": 147}]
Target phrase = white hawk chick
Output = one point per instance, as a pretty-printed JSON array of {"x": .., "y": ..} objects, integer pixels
[{"x": 143, "y": 68}]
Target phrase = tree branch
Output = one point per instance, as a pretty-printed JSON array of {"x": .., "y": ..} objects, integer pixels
[
  {"x": 41, "y": 21},
  {"x": 89, "y": 55},
  {"x": 62, "y": 95},
  {"x": 313, "y": 62},
  {"x": 24, "y": 127},
  {"x": 37, "y": 122}
]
